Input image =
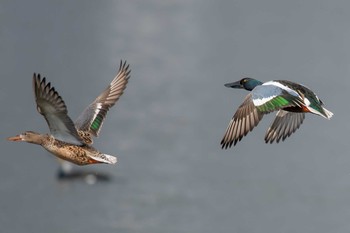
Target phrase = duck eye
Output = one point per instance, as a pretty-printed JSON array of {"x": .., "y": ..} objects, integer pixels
[{"x": 243, "y": 81}]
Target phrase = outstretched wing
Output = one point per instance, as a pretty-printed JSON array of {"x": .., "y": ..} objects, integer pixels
[
  {"x": 91, "y": 119},
  {"x": 263, "y": 99},
  {"x": 243, "y": 121},
  {"x": 284, "y": 125},
  {"x": 52, "y": 107}
]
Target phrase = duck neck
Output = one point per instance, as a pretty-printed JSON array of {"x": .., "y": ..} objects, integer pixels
[{"x": 41, "y": 139}]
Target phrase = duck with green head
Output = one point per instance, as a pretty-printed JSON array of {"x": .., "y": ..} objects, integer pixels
[{"x": 290, "y": 100}]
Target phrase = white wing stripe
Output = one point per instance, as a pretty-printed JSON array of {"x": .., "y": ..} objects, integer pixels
[
  {"x": 262, "y": 101},
  {"x": 280, "y": 85}
]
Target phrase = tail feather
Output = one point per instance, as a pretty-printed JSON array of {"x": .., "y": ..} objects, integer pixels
[
  {"x": 104, "y": 158},
  {"x": 321, "y": 112},
  {"x": 328, "y": 113}
]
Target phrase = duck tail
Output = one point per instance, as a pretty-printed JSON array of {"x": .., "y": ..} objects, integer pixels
[
  {"x": 104, "y": 158},
  {"x": 110, "y": 159},
  {"x": 328, "y": 114}
]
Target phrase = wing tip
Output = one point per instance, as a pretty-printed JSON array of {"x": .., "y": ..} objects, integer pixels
[{"x": 125, "y": 68}]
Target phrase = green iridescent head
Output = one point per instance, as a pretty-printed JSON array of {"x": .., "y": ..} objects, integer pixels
[{"x": 245, "y": 83}]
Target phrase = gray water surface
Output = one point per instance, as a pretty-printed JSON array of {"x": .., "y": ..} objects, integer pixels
[{"x": 172, "y": 175}]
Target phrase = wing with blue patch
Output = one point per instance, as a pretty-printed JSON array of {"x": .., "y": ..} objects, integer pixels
[{"x": 269, "y": 98}]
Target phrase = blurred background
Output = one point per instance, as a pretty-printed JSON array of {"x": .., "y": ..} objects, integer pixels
[{"x": 172, "y": 175}]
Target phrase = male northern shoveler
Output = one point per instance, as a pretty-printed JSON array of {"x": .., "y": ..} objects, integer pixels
[
  {"x": 72, "y": 141},
  {"x": 291, "y": 100}
]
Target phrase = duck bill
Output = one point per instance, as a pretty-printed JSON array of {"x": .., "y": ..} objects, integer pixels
[
  {"x": 234, "y": 85},
  {"x": 15, "y": 138}
]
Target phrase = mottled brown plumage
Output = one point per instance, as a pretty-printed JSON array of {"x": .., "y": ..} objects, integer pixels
[{"x": 69, "y": 141}]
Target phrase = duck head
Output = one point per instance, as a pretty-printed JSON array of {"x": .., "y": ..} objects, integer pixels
[
  {"x": 245, "y": 83},
  {"x": 27, "y": 136}
]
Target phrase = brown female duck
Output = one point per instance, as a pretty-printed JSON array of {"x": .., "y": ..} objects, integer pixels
[{"x": 68, "y": 140}]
